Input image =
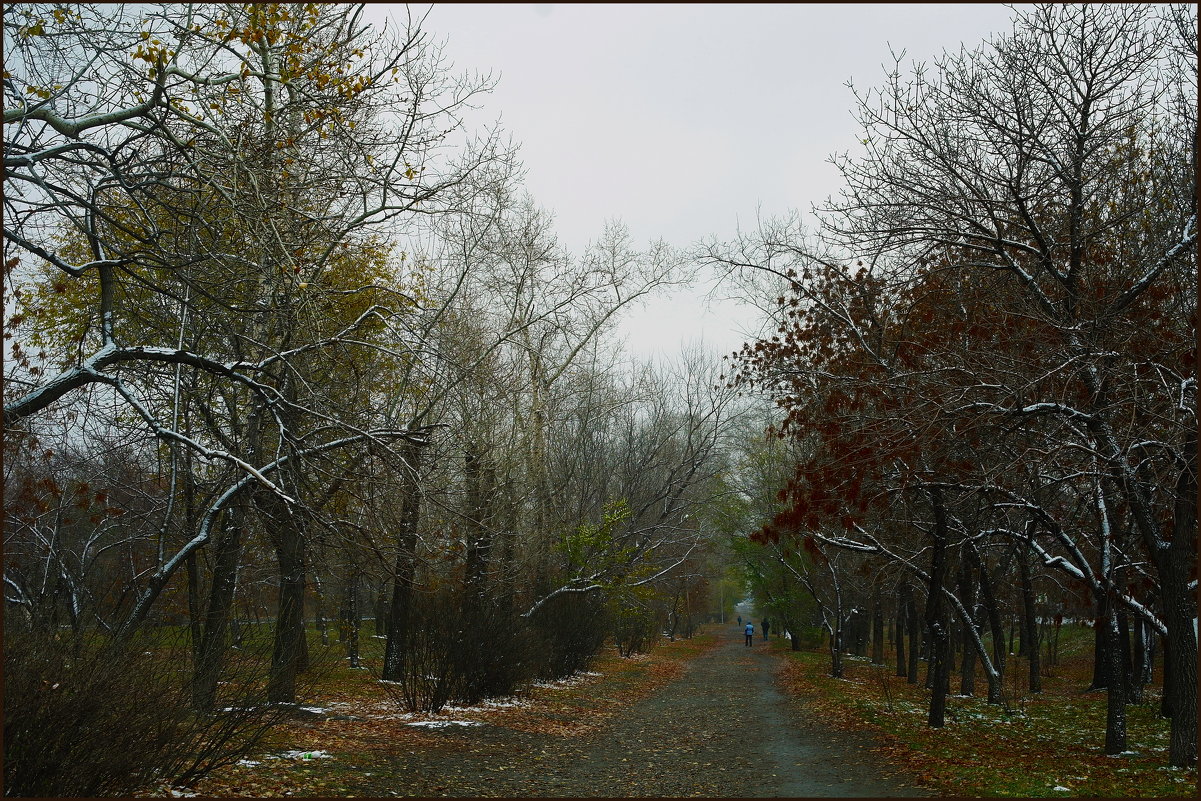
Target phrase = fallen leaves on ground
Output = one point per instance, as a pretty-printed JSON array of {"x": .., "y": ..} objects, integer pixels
[
  {"x": 367, "y": 737},
  {"x": 1047, "y": 741}
]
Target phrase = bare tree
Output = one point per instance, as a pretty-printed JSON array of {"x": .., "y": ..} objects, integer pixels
[
  {"x": 208, "y": 215},
  {"x": 1005, "y": 284}
]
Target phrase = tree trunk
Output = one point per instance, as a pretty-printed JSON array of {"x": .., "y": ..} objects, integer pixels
[
  {"x": 479, "y": 547},
  {"x": 319, "y": 610},
  {"x": 507, "y": 536},
  {"x": 1165, "y": 698},
  {"x": 353, "y": 620},
  {"x": 211, "y": 651},
  {"x": 539, "y": 479},
  {"x": 935, "y": 619},
  {"x": 289, "y": 653},
  {"x": 967, "y": 593},
  {"x": 988, "y": 597},
  {"x": 380, "y": 611},
  {"x": 1029, "y": 620},
  {"x": 1177, "y": 570},
  {"x": 673, "y": 617},
  {"x": 903, "y": 601},
  {"x": 406, "y": 564},
  {"x": 195, "y": 621},
  {"x": 836, "y": 647},
  {"x": 839, "y": 628},
  {"x": 877, "y": 628},
  {"x": 193, "y": 569},
  {"x": 927, "y": 645},
  {"x": 957, "y": 638},
  {"x": 1115, "y": 717},
  {"x": 915, "y": 638},
  {"x": 1101, "y": 646},
  {"x": 1125, "y": 658},
  {"x": 1150, "y": 640},
  {"x": 1139, "y": 672}
]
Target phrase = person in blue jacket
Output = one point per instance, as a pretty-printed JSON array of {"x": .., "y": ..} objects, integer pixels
[{"x": 750, "y": 632}]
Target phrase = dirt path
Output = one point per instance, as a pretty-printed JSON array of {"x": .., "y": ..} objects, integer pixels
[
  {"x": 724, "y": 728},
  {"x": 720, "y": 729}
]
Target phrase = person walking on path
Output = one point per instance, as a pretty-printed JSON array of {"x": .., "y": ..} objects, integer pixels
[
  {"x": 740, "y": 620},
  {"x": 750, "y": 633},
  {"x": 766, "y": 625}
]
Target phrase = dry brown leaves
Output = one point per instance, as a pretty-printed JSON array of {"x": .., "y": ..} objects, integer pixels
[{"x": 565, "y": 709}]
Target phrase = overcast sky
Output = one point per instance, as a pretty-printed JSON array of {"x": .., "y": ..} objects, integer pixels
[{"x": 683, "y": 120}]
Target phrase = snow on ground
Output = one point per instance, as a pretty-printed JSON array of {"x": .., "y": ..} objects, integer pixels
[
  {"x": 380, "y": 710},
  {"x": 507, "y": 702},
  {"x": 316, "y": 710},
  {"x": 387, "y": 710},
  {"x": 571, "y": 681},
  {"x": 301, "y": 755}
]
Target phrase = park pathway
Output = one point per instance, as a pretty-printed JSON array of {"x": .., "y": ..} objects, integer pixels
[
  {"x": 721, "y": 729},
  {"x": 724, "y": 729}
]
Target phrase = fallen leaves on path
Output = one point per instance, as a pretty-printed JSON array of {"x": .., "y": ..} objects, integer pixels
[{"x": 367, "y": 738}]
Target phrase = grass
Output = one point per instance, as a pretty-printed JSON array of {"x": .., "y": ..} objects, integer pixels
[{"x": 1048, "y": 745}]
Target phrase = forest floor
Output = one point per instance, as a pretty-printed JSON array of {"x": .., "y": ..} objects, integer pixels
[
  {"x": 1045, "y": 745},
  {"x": 698, "y": 717},
  {"x": 709, "y": 717}
]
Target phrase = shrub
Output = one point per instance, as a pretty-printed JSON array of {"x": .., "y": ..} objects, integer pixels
[
  {"x": 464, "y": 655},
  {"x": 87, "y": 716},
  {"x": 572, "y": 628},
  {"x": 635, "y": 620},
  {"x": 496, "y": 652},
  {"x": 428, "y": 675}
]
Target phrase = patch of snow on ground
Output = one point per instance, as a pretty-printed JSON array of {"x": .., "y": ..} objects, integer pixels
[
  {"x": 302, "y": 755},
  {"x": 506, "y": 702},
  {"x": 503, "y": 703},
  {"x": 570, "y": 681},
  {"x": 382, "y": 710},
  {"x": 316, "y": 710},
  {"x": 248, "y": 763},
  {"x": 1060, "y": 788},
  {"x": 441, "y": 724}
]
